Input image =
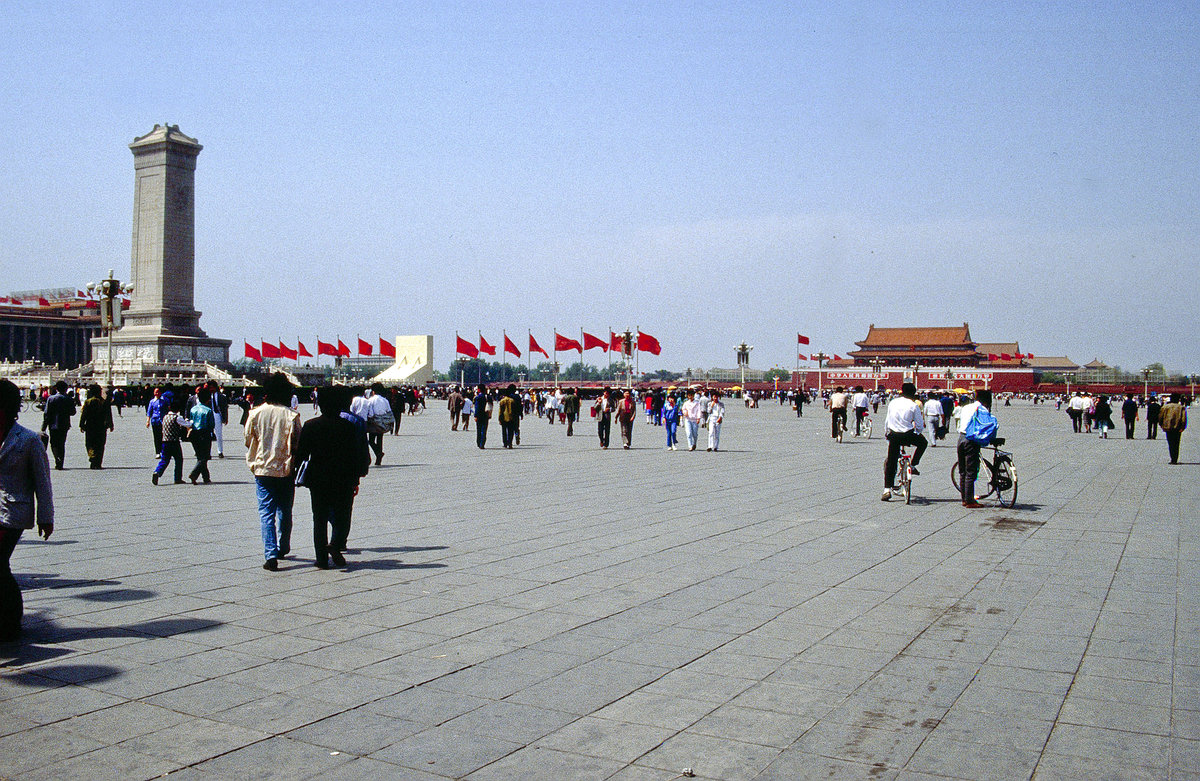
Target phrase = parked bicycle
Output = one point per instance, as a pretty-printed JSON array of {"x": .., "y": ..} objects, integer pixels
[{"x": 1001, "y": 475}]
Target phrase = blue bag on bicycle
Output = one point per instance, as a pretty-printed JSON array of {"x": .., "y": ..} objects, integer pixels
[{"x": 982, "y": 427}]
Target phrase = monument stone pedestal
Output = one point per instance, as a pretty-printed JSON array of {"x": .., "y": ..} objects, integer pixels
[{"x": 162, "y": 325}]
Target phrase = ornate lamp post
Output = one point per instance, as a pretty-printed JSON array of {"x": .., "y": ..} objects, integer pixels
[
  {"x": 949, "y": 380},
  {"x": 110, "y": 290},
  {"x": 1146, "y": 383},
  {"x": 627, "y": 356},
  {"x": 743, "y": 358},
  {"x": 821, "y": 358},
  {"x": 877, "y": 370}
]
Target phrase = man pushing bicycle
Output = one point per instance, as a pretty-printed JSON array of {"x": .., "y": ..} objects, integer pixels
[{"x": 903, "y": 427}]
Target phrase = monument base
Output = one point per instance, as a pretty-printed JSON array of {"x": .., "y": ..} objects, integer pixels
[{"x": 131, "y": 353}]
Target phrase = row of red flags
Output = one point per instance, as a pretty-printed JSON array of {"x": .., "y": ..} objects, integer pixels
[
  {"x": 643, "y": 342},
  {"x": 89, "y": 301},
  {"x": 340, "y": 349}
]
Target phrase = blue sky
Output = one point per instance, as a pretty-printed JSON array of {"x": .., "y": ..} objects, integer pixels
[{"x": 710, "y": 172}]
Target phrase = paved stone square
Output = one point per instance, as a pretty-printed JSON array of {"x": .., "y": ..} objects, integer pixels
[{"x": 562, "y": 612}]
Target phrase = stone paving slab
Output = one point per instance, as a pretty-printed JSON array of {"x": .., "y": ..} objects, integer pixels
[{"x": 558, "y": 611}]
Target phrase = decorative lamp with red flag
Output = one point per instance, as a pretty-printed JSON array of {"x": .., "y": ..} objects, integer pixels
[
  {"x": 484, "y": 347},
  {"x": 252, "y": 353},
  {"x": 463, "y": 347},
  {"x": 801, "y": 339},
  {"x": 1020, "y": 356},
  {"x": 343, "y": 349},
  {"x": 566, "y": 343},
  {"x": 591, "y": 342},
  {"x": 364, "y": 347},
  {"x": 534, "y": 347},
  {"x": 509, "y": 347},
  {"x": 269, "y": 350},
  {"x": 648, "y": 344},
  {"x": 386, "y": 348},
  {"x": 286, "y": 352},
  {"x": 301, "y": 350},
  {"x": 325, "y": 348},
  {"x": 1029, "y": 355}
]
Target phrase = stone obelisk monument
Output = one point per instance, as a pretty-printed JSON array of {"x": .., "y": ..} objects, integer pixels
[{"x": 162, "y": 324}]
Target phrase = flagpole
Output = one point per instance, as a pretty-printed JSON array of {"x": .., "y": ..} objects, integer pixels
[
  {"x": 637, "y": 355},
  {"x": 529, "y": 355},
  {"x": 504, "y": 351},
  {"x": 609, "y": 350}
]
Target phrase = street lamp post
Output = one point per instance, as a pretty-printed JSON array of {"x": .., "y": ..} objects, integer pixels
[
  {"x": 877, "y": 370},
  {"x": 743, "y": 358},
  {"x": 627, "y": 356},
  {"x": 110, "y": 290},
  {"x": 949, "y": 380},
  {"x": 1146, "y": 383},
  {"x": 916, "y": 374},
  {"x": 821, "y": 358}
]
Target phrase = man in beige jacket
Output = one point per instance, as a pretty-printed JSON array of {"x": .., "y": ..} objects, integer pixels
[{"x": 272, "y": 435}]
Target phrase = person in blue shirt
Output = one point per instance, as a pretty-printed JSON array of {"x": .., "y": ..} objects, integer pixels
[
  {"x": 670, "y": 420},
  {"x": 201, "y": 435},
  {"x": 155, "y": 409}
]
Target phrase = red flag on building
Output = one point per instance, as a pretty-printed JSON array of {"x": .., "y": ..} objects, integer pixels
[
  {"x": 837, "y": 357},
  {"x": 534, "y": 347},
  {"x": 80, "y": 294},
  {"x": 364, "y": 347},
  {"x": 484, "y": 347},
  {"x": 252, "y": 353},
  {"x": 1020, "y": 356},
  {"x": 325, "y": 348},
  {"x": 43, "y": 301},
  {"x": 301, "y": 350},
  {"x": 90, "y": 304},
  {"x": 616, "y": 342},
  {"x": 509, "y": 347},
  {"x": 590, "y": 342},
  {"x": 286, "y": 352},
  {"x": 801, "y": 339},
  {"x": 566, "y": 343},
  {"x": 269, "y": 350},
  {"x": 1005, "y": 357},
  {"x": 1028, "y": 355},
  {"x": 993, "y": 357},
  {"x": 463, "y": 347},
  {"x": 386, "y": 348},
  {"x": 648, "y": 344},
  {"x": 343, "y": 350},
  {"x": 17, "y": 302}
]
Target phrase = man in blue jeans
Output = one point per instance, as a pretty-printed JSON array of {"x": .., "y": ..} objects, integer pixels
[{"x": 272, "y": 436}]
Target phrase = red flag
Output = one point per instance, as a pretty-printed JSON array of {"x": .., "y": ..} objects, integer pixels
[
  {"x": 343, "y": 350},
  {"x": 1028, "y": 355},
  {"x": 565, "y": 343},
  {"x": 91, "y": 304},
  {"x": 463, "y": 347},
  {"x": 325, "y": 348},
  {"x": 616, "y": 342},
  {"x": 993, "y": 357},
  {"x": 1005, "y": 357},
  {"x": 42, "y": 301},
  {"x": 647, "y": 343},
  {"x": 364, "y": 348},
  {"x": 590, "y": 342},
  {"x": 252, "y": 353},
  {"x": 484, "y": 347},
  {"x": 269, "y": 350},
  {"x": 286, "y": 352},
  {"x": 801, "y": 339},
  {"x": 386, "y": 348},
  {"x": 17, "y": 302},
  {"x": 837, "y": 357},
  {"x": 302, "y": 351},
  {"x": 509, "y": 347},
  {"x": 4, "y": 299},
  {"x": 80, "y": 294},
  {"x": 1020, "y": 356},
  {"x": 534, "y": 347}
]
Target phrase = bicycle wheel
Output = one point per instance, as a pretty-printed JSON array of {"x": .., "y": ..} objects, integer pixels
[
  {"x": 954, "y": 481},
  {"x": 1005, "y": 480},
  {"x": 906, "y": 479},
  {"x": 867, "y": 428}
]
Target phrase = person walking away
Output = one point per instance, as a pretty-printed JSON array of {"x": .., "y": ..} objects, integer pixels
[
  {"x": 483, "y": 411},
  {"x": 571, "y": 407},
  {"x": 272, "y": 438},
  {"x": 800, "y": 398},
  {"x": 510, "y": 413},
  {"x": 626, "y": 415},
  {"x": 56, "y": 421},
  {"x": 1075, "y": 412},
  {"x": 903, "y": 426},
  {"x": 468, "y": 411},
  {"x": 342, "y": 395},
  {"x": 1152, "y": 410},
  {"x": 378, "y": 414},
  {"x": 933, "y": 418},
  {"x": 454, "y": 403},
  {"x": 670, "y": 419},
  {"x": 154, "y": 416},
  {"x": 1102, "y": 416},
  {"x": 837, "y": 409},
  {"x": 968, "y": 451},
  {"x": 716, "y": 416},
  {"x": 337, "y": 458},
  {"x": 1172, "y": 419},
  {"x": 603, "y": 410},
  {"x": 95, "y": 421},
  {"x": 1089, "y": 413},
  {"x": 692, "y": 415},
  {"x": 861, "y": 402},
  {"x": 174, "y": 429},
  {"x": 1129, "y": 412}
]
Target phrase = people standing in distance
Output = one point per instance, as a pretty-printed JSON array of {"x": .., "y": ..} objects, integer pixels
[
  {"x": 799, "y": 400},
  {"x": 1152, "y": 410},
  {"x": 692, "y": 416},
  {"x": 95, "y": 421},
  {"x": 716, "y": 416},
  {"x": 510, "y": 416},
  {"x": 1172, "y": 419},
  {"x": 968, "y": 451},
  {"x": 56, "y": 421},
  {"x": 837, "y": 409},
  {"x": 272, "y": 437},
  {"x": 154, "y": 416},
  {"x": 25, "y": 482},
  {"x": 174, "y": 429},
  {"x": 626, "y": 415},
  {"x": 375, "y": 408},
  {"x": 338, "y": 457},
  {"x": 483, "y": 411},
  {"x": 904, "y": 425},
  {"x": 670, "y": 420},
  {"x": 1075, "y": 412},
  {"x": 603, "y": 410}
]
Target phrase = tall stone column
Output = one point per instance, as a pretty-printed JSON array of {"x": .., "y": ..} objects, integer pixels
[{"x": 162, "y": 323}]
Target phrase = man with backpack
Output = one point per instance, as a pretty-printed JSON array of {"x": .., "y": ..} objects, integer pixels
[{"x": 976, "y": 427}]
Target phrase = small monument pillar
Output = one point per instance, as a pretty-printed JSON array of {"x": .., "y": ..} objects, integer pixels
[{"x": 162, "y": 324}]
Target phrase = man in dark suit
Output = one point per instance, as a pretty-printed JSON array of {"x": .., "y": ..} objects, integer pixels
[
  {"x": 1152, "y": 410},
  {"x": 57, "y": 421},
  {"x": 1129, "y": 411}
]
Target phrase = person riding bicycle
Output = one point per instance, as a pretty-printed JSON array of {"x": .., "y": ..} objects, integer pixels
[
  {"x": 903, "y": 427},
  {"x": 837, "y": 407},
  {"x": 861, "y": 402},
  {"x": 968, "y": 451}
]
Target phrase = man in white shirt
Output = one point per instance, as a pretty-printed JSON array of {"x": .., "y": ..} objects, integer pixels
[
  {"x": 1075, "y": 412},
  {"x": 933, "y": 418},
  {"x": 837, "y": 408},
  {"x": 904, "y": 426},
  {"x": 860, "y": 402},
  {"x": 692, "y": 415},
  {"x": 716, "y": 416},
  {"x": 968, "y": 451}
]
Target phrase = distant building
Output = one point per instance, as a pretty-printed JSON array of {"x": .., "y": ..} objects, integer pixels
[
  {"x": 948, "y": 346},
  {"x": 59, "y": 334}
]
